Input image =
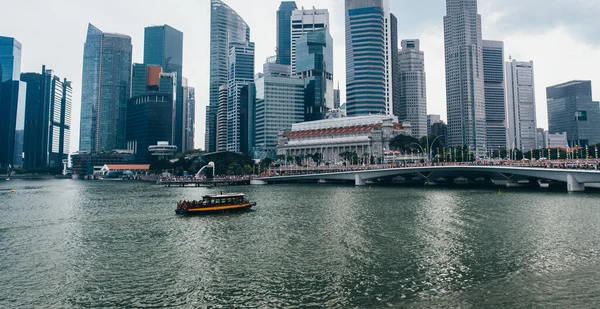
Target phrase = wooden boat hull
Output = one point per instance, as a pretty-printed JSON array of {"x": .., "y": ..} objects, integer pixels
[{"x": 214, "y": 210}]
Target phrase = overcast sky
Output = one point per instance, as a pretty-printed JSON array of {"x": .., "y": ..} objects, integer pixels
[{"x": 562, "y": 37}]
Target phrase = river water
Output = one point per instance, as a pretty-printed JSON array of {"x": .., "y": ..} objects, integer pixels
[{"x": 94, "y": 244}]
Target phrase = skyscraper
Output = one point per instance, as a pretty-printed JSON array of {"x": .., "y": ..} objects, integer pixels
[
  {"x": 520, "y": 98},
  {"x": 105, "y": 91},
  {"x": 314, "y": 63},
  {"x": 222, "y": 120},
  {"x": 10, "y": 59},
  {"x": 304, "y": 21},
  {"x": 47, "y": 133},
  {"x": 150, "y": 115},
  {"x": 189, "y": 114},
  {"x": 572, "y": 110},
  {"x": 279, "y": 104},
  {"x": 226, "y": 26},
  {"x": 369, "y": 68},
  {"x": 412, "y": 105},
  {"x": 241, "y": 73},
  {"x": 12, "y": 103},
  {"x": 464, "y": 76},
  {"x": 284, "y": 32},
  {"x": 431, "y": 120},
  {"x": 163, "y": 46},
  {"x": 495, "y": 105}
]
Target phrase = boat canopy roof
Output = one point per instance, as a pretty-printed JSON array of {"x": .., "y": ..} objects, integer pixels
[{"x": 229, "y": 195}]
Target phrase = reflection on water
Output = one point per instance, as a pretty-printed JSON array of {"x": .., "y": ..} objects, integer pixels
[{"x": 110, "y": 244}]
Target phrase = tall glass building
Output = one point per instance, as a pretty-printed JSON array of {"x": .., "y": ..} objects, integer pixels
[
  {"x": 369, "y": 68},
  {"x": 572, "y": 110},
  {"x": 226, "y": 26},
  {"x": 105, "y": 91},
  {"x": 520, "y": 98},
  {"x": 284, "y": 32},
  {"x": 412, "y": 104},
  {"x": 163, "y": 46},
  {"x": 495, "y": 104},
  {"x": 241, "y": 73},
  {"x": 464, "y": 76},
  {"x": 12, "y": 103},
  {"x": 304, "y": 21},
  {"x": 47, "y": 135},
  {"x": 314, "y": 63}
]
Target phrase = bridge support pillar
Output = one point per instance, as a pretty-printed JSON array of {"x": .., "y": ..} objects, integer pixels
[
  {"x": 573, "y": 185},
  {"x": 257, "y": 182},
  {"x": 359, "y": 182}
]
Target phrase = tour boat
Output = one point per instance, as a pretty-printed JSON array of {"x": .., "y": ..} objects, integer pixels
[{"x": 215, "y": 203}]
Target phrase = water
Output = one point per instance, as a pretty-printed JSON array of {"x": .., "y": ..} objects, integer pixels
[{"x": 119, "y": 244}]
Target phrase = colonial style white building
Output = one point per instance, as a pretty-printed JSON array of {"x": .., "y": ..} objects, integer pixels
[{"x": 365, "y": 135}]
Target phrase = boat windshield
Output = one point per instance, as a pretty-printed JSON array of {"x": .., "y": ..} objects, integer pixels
[{"x": 224, "y": 200}]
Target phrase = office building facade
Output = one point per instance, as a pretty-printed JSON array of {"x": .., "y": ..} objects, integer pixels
[
  {"x": 284, "y": 32},
  {"x": 464, "y": 76},
  {"x": 163, "y": 46},
  {"x": 189, "y": 115},
  {"x": 412, "y": 104},
  {"x": 47, "y": 135},
  {"x": 494, "y": 88},
  {"x": 572, "y": 110},
  {"x": 314, "y": 64},
  {"x": 304, "y": 21},
  {"x": 226, "y": 26},
  {"x": 241, "y": 73},
  {"x": 279, "y": 105},
  {"x": 431, "y": 120},
  {"x": 521, "y": 109},
  {"x": 105, "y": 91},
  {"x": 12, "y": 103},
  {"x": 369, "y": 68}
]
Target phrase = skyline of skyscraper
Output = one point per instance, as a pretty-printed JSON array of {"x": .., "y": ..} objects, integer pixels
[
  {"x": 226, "y": 26},
  {"x": 314, "y": 64},
  {"x": 412, "y": 103},
  {"x": 106, "y": 77},
  {"x": 284, "y": 32},
  {"x": 521, "y": 109},
  {"x": 12, "y": 102},
  {"x": 47, "y": 119},
  {"x": 241, "y": 73},
  {"x": 494, "y": 90},
  {"x": 163, "y": 46},
  {"x": 303, "y": 21},
  {"x": 369, "y": 69},
  {"x": 465, "y": 98}
]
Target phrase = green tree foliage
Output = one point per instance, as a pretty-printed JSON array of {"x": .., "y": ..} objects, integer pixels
[{"x": 403, "y": 143}]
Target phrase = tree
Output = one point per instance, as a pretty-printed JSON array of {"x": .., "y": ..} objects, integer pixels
[
  {"x": 403, "y": 143},
  {"x": 298, "y": 159},
  {"x": 317, "y": 158}
]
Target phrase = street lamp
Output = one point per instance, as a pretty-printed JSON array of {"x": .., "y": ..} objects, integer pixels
[
  {"x": 422, "y": 150},
  {"x": 431, "y": 146}
]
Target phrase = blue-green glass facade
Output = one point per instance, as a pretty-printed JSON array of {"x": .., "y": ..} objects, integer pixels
[
  {"x": 495, "y": 103},
  {"x": 314, "y": 63},
  {"x": 10, "y": 59},
  {"x": 284, "y": 32},
  {"x": 105, "y": 90},
  {"x": 12, "y": 103}
]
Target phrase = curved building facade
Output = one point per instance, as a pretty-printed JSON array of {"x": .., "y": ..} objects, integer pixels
[
  {"x": 368, "y": 44},
  {"x": 226, "y": 26}
]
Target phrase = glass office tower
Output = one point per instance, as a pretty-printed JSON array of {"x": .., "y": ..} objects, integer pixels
[
  {"x": 314, "y": 63},
  {"x": 105, "y": 91},
  {"x": 284, "y": 32},
  {"x": 495, "y": 103},
  {"x": 226, "y": 26}
]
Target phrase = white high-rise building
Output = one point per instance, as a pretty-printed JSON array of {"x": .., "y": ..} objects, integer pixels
[
  {"x": 464, "y": 76},
  {"x": 520, "y": 96},
  {"x": 304, "y": 21},
  {"x": 412, "y": 105}
]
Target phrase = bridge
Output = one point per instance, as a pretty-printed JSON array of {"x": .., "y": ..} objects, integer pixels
[{"x": 576, "y": 179}]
